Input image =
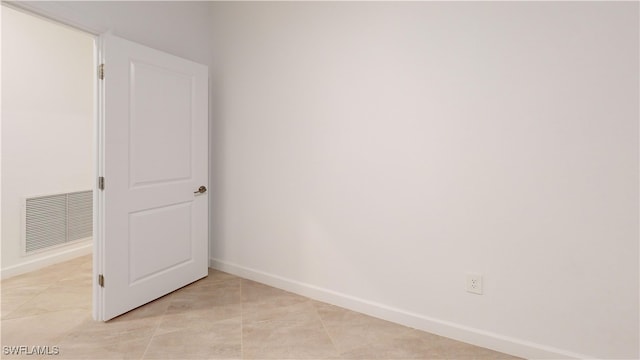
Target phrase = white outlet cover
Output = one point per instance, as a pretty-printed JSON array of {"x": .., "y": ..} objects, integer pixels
[{"x": 474, "y": 283}]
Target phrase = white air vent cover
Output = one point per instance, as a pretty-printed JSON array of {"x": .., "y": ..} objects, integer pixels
[{"x": 54, "y": 220}]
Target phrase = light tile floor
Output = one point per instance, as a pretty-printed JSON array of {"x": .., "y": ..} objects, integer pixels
[{"x": 219, "y": 317}]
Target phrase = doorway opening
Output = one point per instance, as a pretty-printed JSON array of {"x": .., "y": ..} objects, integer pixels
[{"x": 47, "y": 141}]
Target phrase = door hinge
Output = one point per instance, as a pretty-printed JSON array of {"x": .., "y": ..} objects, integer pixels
[
  {"x": 101, "y": 280},
  {"x": 101, "y": 183},
  {"x": 101, "y": 72}
]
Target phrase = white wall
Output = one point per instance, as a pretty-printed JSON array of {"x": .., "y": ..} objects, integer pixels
[
  {"x": 371, "y": 154},
  {"x": 47, "y": 124}
]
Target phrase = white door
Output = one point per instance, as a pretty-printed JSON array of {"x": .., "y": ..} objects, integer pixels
[{"x": 153, "y": 154}]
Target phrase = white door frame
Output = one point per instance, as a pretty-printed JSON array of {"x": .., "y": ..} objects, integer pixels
[
  {"x": 98, "y": 195},
  {"x": 48, "y": 11}
]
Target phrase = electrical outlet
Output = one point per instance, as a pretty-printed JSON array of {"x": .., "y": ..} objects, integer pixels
[{"x": 474, "y": 283}]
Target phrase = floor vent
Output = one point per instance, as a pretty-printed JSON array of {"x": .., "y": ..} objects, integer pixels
[{"x": 54, "y": 220}]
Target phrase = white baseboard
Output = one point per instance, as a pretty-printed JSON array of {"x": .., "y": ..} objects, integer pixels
[
  {"x": 44, "y": 260},
  {"x": 497, "y": 342}
]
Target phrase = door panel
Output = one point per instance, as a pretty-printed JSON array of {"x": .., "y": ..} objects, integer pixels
[
  {"x": 160, "y": 101},
  {"x": 168, "y": 225},
  {"x": 154, "y": 157}
]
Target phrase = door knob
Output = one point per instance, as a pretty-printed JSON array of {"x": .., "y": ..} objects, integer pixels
[{"x": 201, "y": 190}]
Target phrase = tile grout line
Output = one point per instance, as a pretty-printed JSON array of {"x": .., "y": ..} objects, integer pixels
[
  {"x": 155, "y": 330},
  {"x": 241, "y": 321},
  {"x": 338, "y": 352},
  {"x": 22, "y": 304},
  {"x": 38, "y": 274},
  {"x": 45, "y": 289},
  {"x": 8, "y": 315}
]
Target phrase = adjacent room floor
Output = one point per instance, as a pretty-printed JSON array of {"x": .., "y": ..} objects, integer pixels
[{"x": 219, "y": 317}]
